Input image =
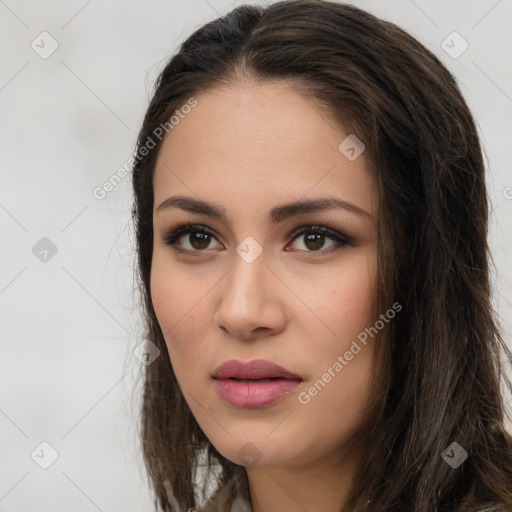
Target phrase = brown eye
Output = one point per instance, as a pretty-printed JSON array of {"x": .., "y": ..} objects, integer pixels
[
  {"x": 314, "y": 239},
  {"x": 199, "y": 238}
]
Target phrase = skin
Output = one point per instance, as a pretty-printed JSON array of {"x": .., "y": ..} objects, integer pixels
[{"x": 249, "y": 148}]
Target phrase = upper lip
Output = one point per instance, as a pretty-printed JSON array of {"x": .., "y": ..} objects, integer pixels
[{"x": 256, "y": 369}]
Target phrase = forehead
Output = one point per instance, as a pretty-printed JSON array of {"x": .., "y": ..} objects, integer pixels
[{"x": 259, "y": 141}]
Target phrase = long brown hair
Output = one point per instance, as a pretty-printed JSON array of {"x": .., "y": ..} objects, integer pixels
[{"x": 439, "y": 363}]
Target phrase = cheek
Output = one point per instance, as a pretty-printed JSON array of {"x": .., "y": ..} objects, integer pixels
[
  {"x": 354, "y": 300},
  {"x": 343, "y": 298},
  {"x": 180, "y": 301},
  {"x": 176, "y": 295},
  {"x": 347, "y": 306},
  {"x": 169, "y": 295}
]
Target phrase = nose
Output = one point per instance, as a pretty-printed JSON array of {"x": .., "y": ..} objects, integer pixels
[{"x": 249, "y": 302}]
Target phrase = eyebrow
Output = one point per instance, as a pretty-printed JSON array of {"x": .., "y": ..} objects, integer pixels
[{"x": 277, "y": 214}]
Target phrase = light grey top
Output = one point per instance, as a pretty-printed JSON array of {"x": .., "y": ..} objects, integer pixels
[{"x": 240, "y": 505}]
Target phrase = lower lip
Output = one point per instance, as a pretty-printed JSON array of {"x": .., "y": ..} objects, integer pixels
[{"x": 254, "y": 394}]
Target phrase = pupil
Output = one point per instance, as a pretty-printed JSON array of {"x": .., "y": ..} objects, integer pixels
[
  {"x": 201, "y": 239},
  {"x": 311, "y": 238}
]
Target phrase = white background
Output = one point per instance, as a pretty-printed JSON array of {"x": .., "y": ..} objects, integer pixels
[{"x": 68, "y": 122}]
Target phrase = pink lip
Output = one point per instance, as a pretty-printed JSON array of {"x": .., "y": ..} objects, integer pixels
[{"x": 258, "y": 393}]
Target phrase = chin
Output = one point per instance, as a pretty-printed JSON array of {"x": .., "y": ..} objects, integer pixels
[{"x": 257, "y": 450}]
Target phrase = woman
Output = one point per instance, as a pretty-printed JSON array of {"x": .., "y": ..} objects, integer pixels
[{"x": 311, "y": 227}]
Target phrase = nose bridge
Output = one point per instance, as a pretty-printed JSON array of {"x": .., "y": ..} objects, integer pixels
[
  {"x": 246, "y": 280},
  {"x": 247, "y": 305}
]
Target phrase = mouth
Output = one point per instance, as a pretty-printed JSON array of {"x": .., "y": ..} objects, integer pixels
[
  {"x": 256, "y": 370},
  {"x": 255, "y": 380},
  {"x": 256, "y": 384}
]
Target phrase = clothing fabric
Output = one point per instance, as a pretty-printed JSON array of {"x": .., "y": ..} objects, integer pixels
[{"x": 240, "y": 505}]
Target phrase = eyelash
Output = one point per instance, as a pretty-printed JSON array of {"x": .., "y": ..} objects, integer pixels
[{"x": 172, "y": 236}]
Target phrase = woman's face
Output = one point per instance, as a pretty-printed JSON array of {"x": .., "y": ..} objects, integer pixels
[{"x": 250, "y": 289}]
